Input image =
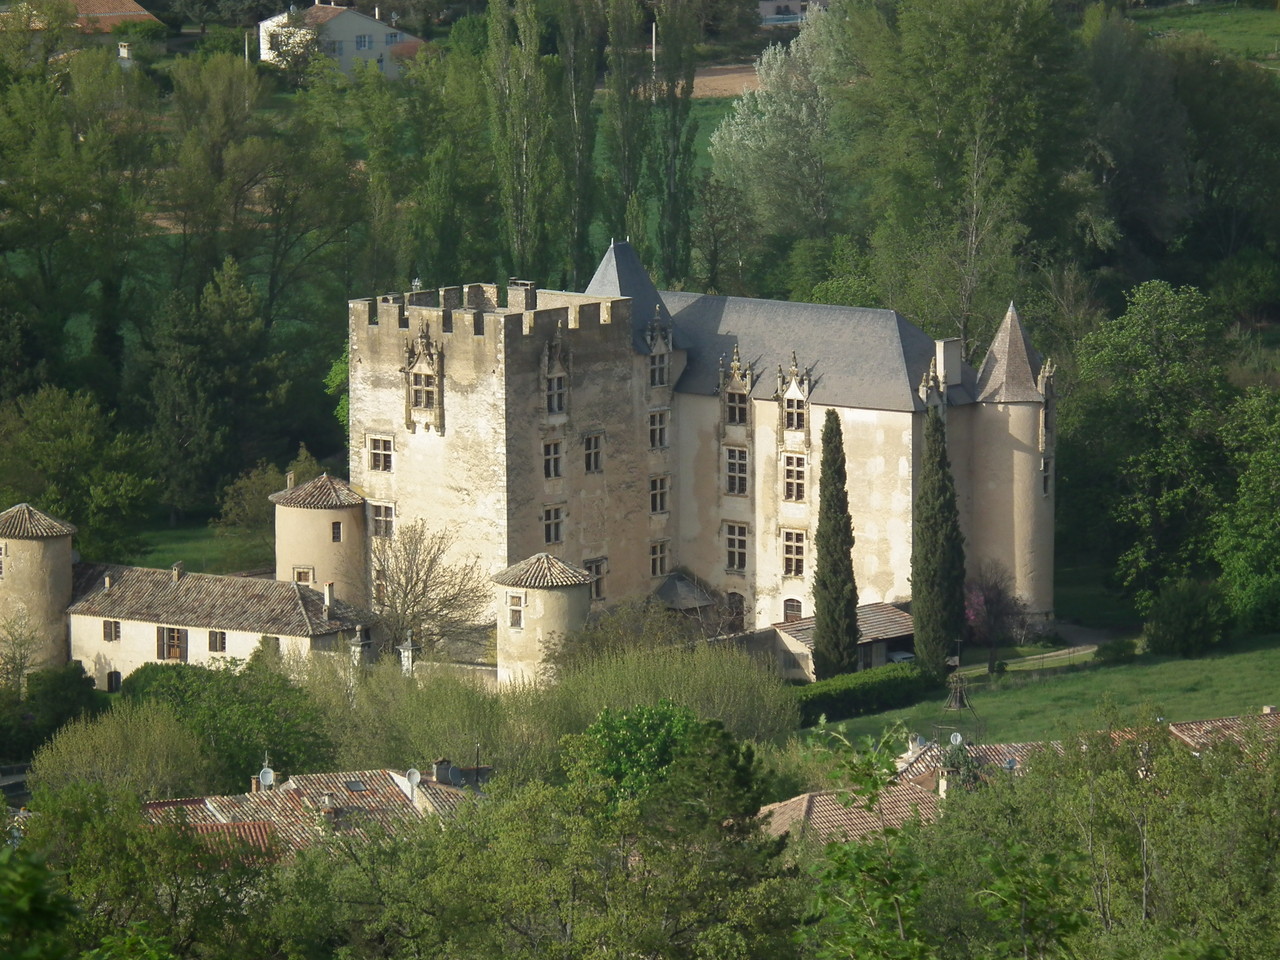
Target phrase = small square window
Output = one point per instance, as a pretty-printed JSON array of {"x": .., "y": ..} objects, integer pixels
[
  {"x": 791, "y": 611},
  {"x": 557, "y": 390},
  {"x": 553, "y": 524},
  {"x": 422, "y": 393},
  {"x": 735, "y": 535},
  {"x": 657, "y": 429},
  {"x": 735, "y": 407},
  {"x": 303, "y": 575},
  {"x": 384, "y": 519},
  {"x": 217, "y": 641},
  {"x": 659, "y": 369},
  {"x": 793, "y": 468},
  {"x": 596, "y": 567},
  {"x": 551, "y": 460},
  {"x": 658, "y": 558},
  {"x": 793, "y": 553},
  {"x": 658, "y": 488},
  {"x": 593, "y": 449},
  {"x": 380, "y": 454},
  {"x": 735, "y": 467},
  {"x": 794, "y": 409}
]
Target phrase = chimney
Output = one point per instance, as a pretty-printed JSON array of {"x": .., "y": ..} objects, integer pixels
[
  {"x": 122, "y": 51},
  {"x": 255, "y": 784},
  {"x": 328, "y": 593},
  {"x": 440, "y": 771},
  {"x": 949, "y": 355},
  {"x": 289, "y": 480},
  {"x": 177, "y": 571},
  {"x": 106, "y": 583},
  {"x": 328, "y": 802},
  {"x": 1270, "y": 709},
  {"x": 377, "y": 14}
]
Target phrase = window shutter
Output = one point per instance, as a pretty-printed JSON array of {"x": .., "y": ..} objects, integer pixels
[
  {"x": 160, "y": 643},
  {"x": 106, "y": 630},
  {"x": 182, "y": 645}
]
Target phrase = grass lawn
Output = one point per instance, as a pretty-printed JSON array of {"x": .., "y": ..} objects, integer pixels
[
  {"x": 1045, "y": 705},
  {"x": 707, "y": 112},
  {"x": 1244, "y": 31},
  {"x": 195, "y": 545}
]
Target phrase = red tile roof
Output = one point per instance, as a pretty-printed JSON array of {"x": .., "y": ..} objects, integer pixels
[
  {"x": 1242, "y": 732},
  {"x": 825, "y": 814},
  {"x": 308, "y": 806},
  {"x": 102, "y": 16},
  {"x": 322, "y": 493}
]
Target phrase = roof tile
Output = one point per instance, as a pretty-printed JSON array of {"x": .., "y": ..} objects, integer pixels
[
  {"x": 25, "y": 522},
  {"x": 322, "y": 493},
  {"x": 542, "y": 570}
]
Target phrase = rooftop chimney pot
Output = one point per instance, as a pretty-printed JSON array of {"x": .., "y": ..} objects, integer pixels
[
  {"x": 1269, "y": 709},
  {"x": 177, "y": 571}
]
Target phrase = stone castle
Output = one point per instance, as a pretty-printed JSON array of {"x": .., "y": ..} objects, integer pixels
[{"x": 648, "y": 442}]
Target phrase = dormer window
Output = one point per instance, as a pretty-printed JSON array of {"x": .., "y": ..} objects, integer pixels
[
  {"x": 557, "y": 393},
  {"x": 735, "y": 407},
  {"x": 794, "y": 413},
  {"x": 659, "y": 369},
  {"x": 423, "y": 394}
]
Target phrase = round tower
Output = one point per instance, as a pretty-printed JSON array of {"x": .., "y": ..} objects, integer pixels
[
  {"x": 35, "y": 577},
  {"x": 537, "y": 600},
  {"x": 321, "y": 537},
  {"x": 1012, "y": 466}
]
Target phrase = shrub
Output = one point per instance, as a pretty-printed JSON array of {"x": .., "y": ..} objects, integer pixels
[
  {"x": 1187, "y": 618},
  {"x": 868, "y": 691},
  {"x": 1117, "y": 651}
]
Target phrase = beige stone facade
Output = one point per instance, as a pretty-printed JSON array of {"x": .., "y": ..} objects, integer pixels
[{"x": 634, "y": 434}]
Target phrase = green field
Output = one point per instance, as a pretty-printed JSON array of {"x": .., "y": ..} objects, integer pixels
[
  {"x": 196, "y": 546},
  {"x": 1040, "y": 706},
  {"x": 1243, "y": 31}
]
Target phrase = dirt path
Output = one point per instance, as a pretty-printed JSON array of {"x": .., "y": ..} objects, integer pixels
[{"x": 726, "y": 81}]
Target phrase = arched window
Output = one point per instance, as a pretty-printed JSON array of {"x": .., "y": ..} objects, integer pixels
[{"x": 791, "y": 611}]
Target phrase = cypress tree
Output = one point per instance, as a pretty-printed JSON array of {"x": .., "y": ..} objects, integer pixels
[
  {"x": 937, "y": 554},
  {"x": 835, "y": 594}
]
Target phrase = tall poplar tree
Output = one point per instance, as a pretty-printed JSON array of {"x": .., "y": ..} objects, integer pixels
[
  {"x": 674, "y": 130},
  {"x": 626, "y": 122},
  {"x": 835, "y": 592},
  {"x": 937, "y": 553}
]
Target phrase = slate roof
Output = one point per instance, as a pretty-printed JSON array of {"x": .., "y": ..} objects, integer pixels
[
  {"x": 541, "y": 571},
  {"x": 621, "y": 274},
  {"x": 1011, "y": 367},
  {"x": 322, "y": 493},
  {"x": 1199, "y": 735},
  {"x": 295, "y": 814},
  {"x": 876, "y": 621},
  {"x": 272, "y": 607},
  {"x": 824, "y": 813},
  {"x": 25, "y": 522},
  {"x": 102, "y": 16},
  {"x": 856, "y": 357}
]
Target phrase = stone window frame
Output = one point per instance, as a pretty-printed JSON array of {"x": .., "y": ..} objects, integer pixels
[
  {"x": 304, "y": 576},
  {"x": 736, "y": 540},
  {"x": 597, "y": 567},
  {"x": 794, "y": 469},
  {"x": 794, "y": 544},
  {"x": 794, "y": 411},
  {"x": 659, "y": 422},
  {"x": 382, "y": 519},
  {"x": 737, "y": 471},
  {"x": 552, "y": 460},
  {"x": 659, "y": 557},
  {"x": 553, "y": 517},
  {"x": 515, "y": 611},
  {"x": 737, "y": 407},
  {"x": 593, "y": 452},
  {"x": 557, "y": 393},
  {"x": 792, "y": 610},
  {"x": 381, "y": 453},
  {"x": 659, "y": 493}
]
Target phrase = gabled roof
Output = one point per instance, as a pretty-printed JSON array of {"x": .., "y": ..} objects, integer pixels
[
  {"x": 322, "y": 493},
  {"x": 25, "y": 522},
  {"x": 825, "y": 815},
  {"x": 923, "y": 768},
  {"x": 103, "y": 16},
  {"x": 541, "y": 571},
  {"x": 306, "y": 807},
  {"x": 856, "y": 356},
  {"x": 203, "y": 600},
  {"x": 1241, "y": 732},
  {"x": 621, "y": 274},
  {"x": 1012, "y": 365},
  {"x": 876, "y": 621}
]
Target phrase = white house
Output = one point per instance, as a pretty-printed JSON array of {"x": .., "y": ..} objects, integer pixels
[{"x": 343, "y": 33}]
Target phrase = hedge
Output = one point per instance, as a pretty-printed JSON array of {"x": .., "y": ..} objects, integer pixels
[{"x": 867, "y": 691}]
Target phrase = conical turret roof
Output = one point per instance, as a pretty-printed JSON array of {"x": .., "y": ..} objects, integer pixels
[
  {"x": 621, "y": 274},
  {"x": 322, "y": 493},
  {"x": 1009, "y": 372},
  {"x": 25, "y": 522},
  {"x": 542, "y": 570}
]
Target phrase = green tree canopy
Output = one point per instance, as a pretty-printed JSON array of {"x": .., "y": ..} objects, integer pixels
[{"x": 835, "y": 591}]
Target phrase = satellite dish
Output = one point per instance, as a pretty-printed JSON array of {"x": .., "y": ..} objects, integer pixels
[
  {"x": 1011, "y": 763},
  {"x": 917, "y": 741},
  {"x": 956, "y": 739},
  {"x": 266, "y": 776},
  {"x": 414, "y": 777}
]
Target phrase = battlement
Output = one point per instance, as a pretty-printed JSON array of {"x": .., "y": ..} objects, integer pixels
[{"x": 485, "y": 309}]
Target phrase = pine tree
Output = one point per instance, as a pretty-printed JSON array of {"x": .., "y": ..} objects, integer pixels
[
  {"x": 937, "y": 554},
  {"x": 835, "y": 593}
]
